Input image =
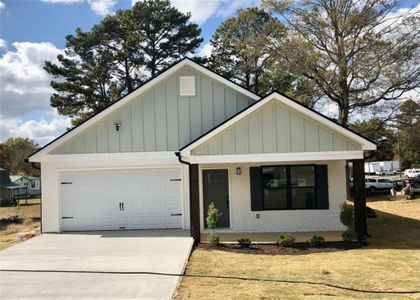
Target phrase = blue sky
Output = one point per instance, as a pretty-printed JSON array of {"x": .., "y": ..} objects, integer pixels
[
  {"x": 40, "y": 21},
  {"x": 32, "y": 31}
]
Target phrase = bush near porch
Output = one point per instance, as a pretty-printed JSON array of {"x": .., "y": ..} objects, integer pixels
[{"x": 391, "y": 262}]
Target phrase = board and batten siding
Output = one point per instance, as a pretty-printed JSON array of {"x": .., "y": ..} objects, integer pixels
[
  {"x": 160, "y": 119},
  {"x": 275, "y": 128}
]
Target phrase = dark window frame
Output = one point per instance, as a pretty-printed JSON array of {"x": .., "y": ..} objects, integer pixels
[{"x": 289, "y": 188}]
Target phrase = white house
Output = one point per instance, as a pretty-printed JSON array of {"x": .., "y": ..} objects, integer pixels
[
  {"x": 188, "y": 137},
  {"x": 30, "y": 185}
]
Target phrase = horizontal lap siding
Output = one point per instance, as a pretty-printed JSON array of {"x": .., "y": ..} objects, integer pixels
[
  {"x": 161, "y": 120},
  {"x": 276, "y": 128}
]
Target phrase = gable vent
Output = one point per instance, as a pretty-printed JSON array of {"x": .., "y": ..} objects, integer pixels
[{"x": 187, "y": 85}]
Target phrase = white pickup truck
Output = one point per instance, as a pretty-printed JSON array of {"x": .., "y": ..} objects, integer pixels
[
  {"x": 412, "y": 173},
  {"x": 378, "y": 184}
]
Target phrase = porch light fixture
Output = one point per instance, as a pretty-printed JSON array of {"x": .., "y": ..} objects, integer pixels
[
  {"x": 238, "y": 171},
  {"x": 117, "y": 126}
]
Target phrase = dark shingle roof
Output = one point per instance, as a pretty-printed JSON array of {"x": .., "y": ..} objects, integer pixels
[{"x": 5, "y": 179}]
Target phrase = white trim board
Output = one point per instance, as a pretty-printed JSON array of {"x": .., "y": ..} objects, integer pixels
[
  {"x": 158, "y": 157},
  {"x": 366, "y": 144},
  {"x": 276, "y": 157},
  {"x": 106, "y": 112}
]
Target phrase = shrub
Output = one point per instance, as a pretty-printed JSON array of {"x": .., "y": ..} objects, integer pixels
[
  {"x": 213, "y": 216},
  {"x": 213, "y": 238},
  {"x": 244, "y": 243},
  {"x": 349, "y": 235},
  {"x": 347, "y": 219},
  {"x": 346, "y": 215},
  {"x": 286, "y": 240},
  {"x": 13, "y": 219},
  {"x": 317, "y": 241},
  {"x": 16, "y": 219}
]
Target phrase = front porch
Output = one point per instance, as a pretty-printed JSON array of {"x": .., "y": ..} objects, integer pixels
[{"x": 244, "y": 220}]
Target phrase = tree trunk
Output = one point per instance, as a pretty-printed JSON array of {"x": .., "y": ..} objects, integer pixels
[
  {"x": 343, "y": 115},
  {"x": 128, "y": 80},
  {"x": 359, "y": 199},
  {"x": 257, "y": 82},
  {"x": 247, "y": 81}
]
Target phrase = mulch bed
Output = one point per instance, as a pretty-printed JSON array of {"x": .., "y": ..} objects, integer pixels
[{"x": 274, "y": 249}]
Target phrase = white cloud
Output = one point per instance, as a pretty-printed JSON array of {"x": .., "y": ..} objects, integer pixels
[
  {"x": 395, "y": 18},
  {"x": 2, "y": 5},
  {"x": 205, "y": 50},
  {"x": 202, "y": 10},
  {"x": 232, "y": 6},
  {"x": 327, "y": 107},
  {"x": 102, "y": 7},
  {"x": 62, "y": 1},
  {"x": 99, "y": 7},
  {"x": 25, "y": 92},
  {"x": 42, "y": 131},
  {"x": 3, "y": 44}
]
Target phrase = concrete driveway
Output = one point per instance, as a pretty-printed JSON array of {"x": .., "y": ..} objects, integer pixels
[{"x": 95, "y": 265}]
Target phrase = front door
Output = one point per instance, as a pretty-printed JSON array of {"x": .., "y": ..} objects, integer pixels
[{"x": 216, "y": 190}]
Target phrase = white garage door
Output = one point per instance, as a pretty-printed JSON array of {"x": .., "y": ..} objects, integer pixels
[{"x": 126, "y": 199}]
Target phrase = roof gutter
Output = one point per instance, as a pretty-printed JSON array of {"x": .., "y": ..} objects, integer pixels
[
  {"x": 32, "y": 164},
  {"x": 184, "y": 162}
]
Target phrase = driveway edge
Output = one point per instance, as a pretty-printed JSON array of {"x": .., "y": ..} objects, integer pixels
[{"x": 186, "y": 259}]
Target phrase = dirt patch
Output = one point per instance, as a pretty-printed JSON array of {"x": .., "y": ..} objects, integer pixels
[
  {"x": 30, "y": 220},
  {"x": 274, "y": 249}
]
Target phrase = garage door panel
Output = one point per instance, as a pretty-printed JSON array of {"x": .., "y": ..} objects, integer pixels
[
  {"x": 138, "y": 221},
  {"x": 153, "y": 221},
  {"x": 171, "y": 204},
  {"x": 88, "y": 223},
  {"x": 92, "y": 200}
]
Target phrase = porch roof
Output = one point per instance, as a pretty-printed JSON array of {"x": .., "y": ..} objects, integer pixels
[
  {"x": 275, "y": 157},
  {"x": 276, "y": 129}
]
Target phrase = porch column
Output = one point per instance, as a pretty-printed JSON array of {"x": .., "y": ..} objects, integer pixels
[
  {"x": 359, "y": 199},
  {"x": 194, "y": 203}
]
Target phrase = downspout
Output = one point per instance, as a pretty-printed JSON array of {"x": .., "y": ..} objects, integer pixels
[
  {"x": 33, "y": 165},
  {"x": 184, "y": 162},
  {"x": 178, "y": 154}
]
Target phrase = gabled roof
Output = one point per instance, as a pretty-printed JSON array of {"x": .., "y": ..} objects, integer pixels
[
  {"x": 5, "y": 181},
  {"x": 365, "y": 142},
  {"x": 13, "y": 178},
  {"x": 35, "y": 157}
]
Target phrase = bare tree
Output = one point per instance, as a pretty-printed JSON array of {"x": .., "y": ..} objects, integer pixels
[{"x": 359, "y": 53}]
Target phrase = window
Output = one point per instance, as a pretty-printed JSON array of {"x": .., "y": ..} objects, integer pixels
[
  {"x": 289, "y": 187},
  {"x": 32, "y": 184}
]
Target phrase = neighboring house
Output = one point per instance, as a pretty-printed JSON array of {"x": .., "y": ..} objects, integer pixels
[
  {"x": 31, "y": 186},
  {"x": 8, "y": 190},
  {"x": 34, "y": 186},
  {"x": 23, "y": 183},
  {"x": 188, "y": 137}
]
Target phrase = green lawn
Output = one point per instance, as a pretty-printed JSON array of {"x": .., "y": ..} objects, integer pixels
[{"x": 391, "y": 262}]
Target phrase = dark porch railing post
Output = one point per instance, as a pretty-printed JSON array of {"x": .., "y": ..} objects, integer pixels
[
  {"x": 359, "y": 198},
  {"x": 194, "y": 203}
]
